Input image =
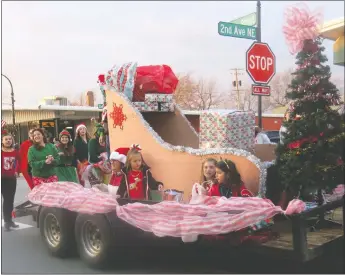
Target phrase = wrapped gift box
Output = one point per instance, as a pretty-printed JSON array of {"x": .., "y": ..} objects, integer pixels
[
  {"x": 146, "y": 106},
  {"x": 226, "y": 128},
  {"x": 159, "y": 98},
  {"x": 166, "y": 107}
]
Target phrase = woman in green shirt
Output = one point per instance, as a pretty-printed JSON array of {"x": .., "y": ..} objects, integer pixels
[
  {"x": 43, "y": 158},
  {"x": 66, "y": 170}
]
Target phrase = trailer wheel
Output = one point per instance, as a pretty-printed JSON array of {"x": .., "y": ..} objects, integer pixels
[
  {"x": 94, "y": 239},
  {"x": 56, "y": 227}
]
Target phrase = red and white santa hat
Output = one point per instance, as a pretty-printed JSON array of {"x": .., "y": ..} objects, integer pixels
[
  {"x": 120, "y": 154},
  {"x": 79, "y": 126}
]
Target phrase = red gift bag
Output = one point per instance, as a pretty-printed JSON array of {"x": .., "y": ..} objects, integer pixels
[{"x": 158, "y": 79}]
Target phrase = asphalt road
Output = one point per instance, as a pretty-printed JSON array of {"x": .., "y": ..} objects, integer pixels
[{"x": 23, "y": 251}]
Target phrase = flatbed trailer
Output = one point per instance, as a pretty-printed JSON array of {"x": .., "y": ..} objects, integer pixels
[{"x": 301, "y": 237}]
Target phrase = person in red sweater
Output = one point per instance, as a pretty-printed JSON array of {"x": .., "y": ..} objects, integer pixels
[
  {"x": 9, "y": 173},
  {"x": 24, "y": 164},
  {"x": 137, "y": 180},
  {"x": 229, "y": 183}
]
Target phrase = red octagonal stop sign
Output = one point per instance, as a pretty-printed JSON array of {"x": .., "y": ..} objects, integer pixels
[{"x": 260, "y": 63}]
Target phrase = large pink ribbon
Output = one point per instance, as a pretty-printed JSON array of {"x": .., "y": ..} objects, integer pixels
[{"x": 300, "y": 25}]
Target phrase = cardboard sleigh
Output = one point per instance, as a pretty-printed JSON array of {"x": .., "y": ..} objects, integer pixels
[{"x": 170, "y": 145}]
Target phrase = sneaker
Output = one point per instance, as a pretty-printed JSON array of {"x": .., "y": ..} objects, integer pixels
[{"x": 13, "y": 225}]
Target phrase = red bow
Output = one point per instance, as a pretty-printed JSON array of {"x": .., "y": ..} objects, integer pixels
[
  {"x": 136, "y": 147},
  {"x": 297, "y": 144},
  {"x": 101, "y": 79}
]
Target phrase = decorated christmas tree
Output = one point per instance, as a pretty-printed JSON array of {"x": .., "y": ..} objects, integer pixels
[{"x": 310, "y": 159}]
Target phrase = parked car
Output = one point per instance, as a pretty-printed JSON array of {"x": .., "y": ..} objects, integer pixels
[{"x": 273, "y": 136}]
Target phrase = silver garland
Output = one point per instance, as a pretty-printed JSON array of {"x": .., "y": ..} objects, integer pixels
[{"x": 209, "y": 151}]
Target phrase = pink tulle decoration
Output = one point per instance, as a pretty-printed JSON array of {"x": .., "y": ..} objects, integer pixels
[{"x": 300, "y": 25}]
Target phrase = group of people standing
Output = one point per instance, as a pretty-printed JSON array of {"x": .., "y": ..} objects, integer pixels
[{"x": 41, "y": 162}]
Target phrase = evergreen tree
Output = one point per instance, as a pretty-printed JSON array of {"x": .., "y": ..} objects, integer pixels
[{"x": 311, "y": 156}]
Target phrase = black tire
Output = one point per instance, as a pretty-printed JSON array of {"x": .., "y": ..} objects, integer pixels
[
  {"x": 64, "y": 245},
  {"x": 94, "y": 252}
]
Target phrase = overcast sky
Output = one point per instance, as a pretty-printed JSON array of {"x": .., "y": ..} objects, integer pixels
[{"x": 59, "y": 48}]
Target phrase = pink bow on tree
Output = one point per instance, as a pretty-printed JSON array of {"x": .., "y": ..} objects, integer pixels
[{"x": 300, "y": 25}]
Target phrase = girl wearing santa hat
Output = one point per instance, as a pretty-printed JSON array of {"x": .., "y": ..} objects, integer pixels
[
  {"x": 81, "y": 143},
  {"x": 66, "y": 170},
  {"x": 137, "y": 180},
  {"x": 118, "y": 160}
]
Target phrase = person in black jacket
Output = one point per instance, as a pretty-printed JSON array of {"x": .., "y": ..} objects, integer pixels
[
  {"x": 138, "y": 180},
  {"x": 81, "y": 143}
]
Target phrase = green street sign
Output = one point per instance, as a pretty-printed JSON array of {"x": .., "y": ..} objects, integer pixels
[
  {"x": 247, "y": 20},
  {"x": 236, "y": 30},
  {"x": 100, "y": 106}
]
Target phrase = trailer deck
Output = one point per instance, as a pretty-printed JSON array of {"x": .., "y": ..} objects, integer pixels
[{"x": 301, "y": 237}]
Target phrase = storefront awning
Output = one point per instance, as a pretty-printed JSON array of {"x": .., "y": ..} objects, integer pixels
[{"x": 334, "y": 30}]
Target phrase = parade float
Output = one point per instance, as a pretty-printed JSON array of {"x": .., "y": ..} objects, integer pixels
[{"x": 139, "y": 108}]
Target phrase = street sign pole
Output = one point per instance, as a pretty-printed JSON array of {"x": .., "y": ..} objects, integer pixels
[{"x": 258, "y": 38}]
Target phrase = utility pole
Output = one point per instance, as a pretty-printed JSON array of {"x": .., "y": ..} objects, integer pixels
[
  {"x": 12, "y": 102},
  {"x": 236, "y": 84},
  {"x": 258, "y": 38}
]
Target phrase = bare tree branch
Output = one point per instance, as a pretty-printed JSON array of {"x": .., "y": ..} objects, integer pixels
[{"x": 197, "y": 95}]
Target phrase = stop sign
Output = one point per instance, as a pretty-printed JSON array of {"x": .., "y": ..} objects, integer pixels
[{"x": 260, "y": 63}]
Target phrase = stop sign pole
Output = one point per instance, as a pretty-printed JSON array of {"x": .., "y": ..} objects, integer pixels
[{"x": 258, "y": 38}]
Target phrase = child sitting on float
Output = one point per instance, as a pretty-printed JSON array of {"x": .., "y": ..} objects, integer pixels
[
  {"x": 229, "y": 183},
  {"x": 137, "y": 180},
  {"x": 117, "y": 160},
  {"x": 208, "y": 172}
]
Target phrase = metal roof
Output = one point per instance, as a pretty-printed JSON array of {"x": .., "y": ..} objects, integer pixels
[{"x": 53, "y": 108}]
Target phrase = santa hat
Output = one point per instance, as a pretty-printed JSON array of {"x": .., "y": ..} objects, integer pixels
[
  {"x": 81, "y": 125},
  {"x": 64, "y": 133},
  {"x": 120, "y": 154}
]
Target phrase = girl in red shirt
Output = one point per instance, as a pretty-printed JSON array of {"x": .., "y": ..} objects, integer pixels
[
  {"x": 229, "y": 183},
  {"x": 9, "y": 174},
  {"x": 137, "y": 180},
  {"x": 118, "y": 160}
]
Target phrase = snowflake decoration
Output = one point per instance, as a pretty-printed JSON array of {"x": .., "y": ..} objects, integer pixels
[{"x": 118, "y": 116}]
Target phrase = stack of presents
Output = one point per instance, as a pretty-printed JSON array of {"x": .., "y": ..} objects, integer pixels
[{"x": 153, "y": 88}]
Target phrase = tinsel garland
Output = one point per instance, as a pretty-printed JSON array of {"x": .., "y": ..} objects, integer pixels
[
  {"x": 210, "y": 151},
  {"x": 309, "y": 61}
]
